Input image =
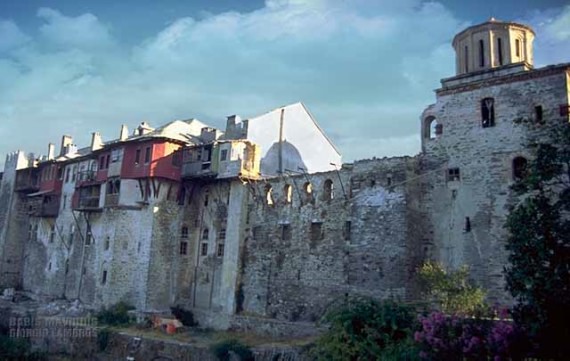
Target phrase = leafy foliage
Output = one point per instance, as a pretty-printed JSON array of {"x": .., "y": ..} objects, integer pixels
[
  {"x": 452, "y": 337},
  {"x": 451, "y": 290},
  {"x": 17, "y": 348},
  {"x": 116, "y": 315},
  {"x": 363, "y": 329},
  {"x": 223, "y": 350},
  {"x": 538, "y": 274}
]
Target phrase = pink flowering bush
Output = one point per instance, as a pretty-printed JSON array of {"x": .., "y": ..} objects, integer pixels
[{"x": 453, "y": 337}]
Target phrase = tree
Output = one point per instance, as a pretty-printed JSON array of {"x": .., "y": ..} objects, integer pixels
[
  {"x": 538, "y": 273},
  {"x": 451, "y": 289},
  {"x": 361, "y": 328}
]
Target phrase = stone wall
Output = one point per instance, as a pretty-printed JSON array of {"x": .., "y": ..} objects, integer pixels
[
  {"x": 467, "y": 216},
  {"x": 13, "y": 222},
  {"x": 302, "y": 256}
]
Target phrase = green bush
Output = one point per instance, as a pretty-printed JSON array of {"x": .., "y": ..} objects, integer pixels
[
  {"x": 185, "y": 316},
  {"x": 364, "y": 329},
  {"x": 451, "y": 289},
  {"x": 223, "y": 348},
  {"x": 15, "y": 349},
  {"x": 116, "y": 315}
]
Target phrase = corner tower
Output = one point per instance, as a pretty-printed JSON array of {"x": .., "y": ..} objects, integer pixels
[
  {"x": 476, "y": 142},
  {"x": 492, "y": 44}
]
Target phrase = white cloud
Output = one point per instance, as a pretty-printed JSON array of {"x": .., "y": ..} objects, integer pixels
[
  {"x": 11, "y": 36},
  {"x": 82, "y": 32},
  {"x": 559, "y": 28},
  {"x": 365, "y": 69}
]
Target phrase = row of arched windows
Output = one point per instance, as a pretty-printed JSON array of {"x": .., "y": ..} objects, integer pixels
[{"x": 328, "y": 192}]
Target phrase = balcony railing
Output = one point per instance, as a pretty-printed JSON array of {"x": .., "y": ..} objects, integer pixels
[
  {"x": 88, "y": 203},
  {"x": 86, "y": 176},
  {"x": 197, "y": 170},
  {"x": 48, "y": 208}
]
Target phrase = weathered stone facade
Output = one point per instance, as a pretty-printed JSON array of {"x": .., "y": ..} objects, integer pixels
[{"x": 230, "y": 244}]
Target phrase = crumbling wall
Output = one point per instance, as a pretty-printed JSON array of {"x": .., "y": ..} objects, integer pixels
[{"x": 365, "y": 246}]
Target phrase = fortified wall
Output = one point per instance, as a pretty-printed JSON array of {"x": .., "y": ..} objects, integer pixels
[{"x": 187, "y": 215}]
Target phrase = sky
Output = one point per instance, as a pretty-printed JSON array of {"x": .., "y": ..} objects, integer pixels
[{"x": 365, "y": 69}]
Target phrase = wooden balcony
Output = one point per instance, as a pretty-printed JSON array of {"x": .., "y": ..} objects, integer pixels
[
  {"x": 27, "y": 181},
  {"x": 44, "y": 206}
]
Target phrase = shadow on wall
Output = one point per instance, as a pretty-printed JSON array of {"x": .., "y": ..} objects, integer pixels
[{"x": 291, "y": 159}]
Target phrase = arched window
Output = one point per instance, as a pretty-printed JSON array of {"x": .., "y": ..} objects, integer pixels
[
  {"x": 205, "y": 234},
  {"x": 288, "y": 191},
  {"x": 328, "y": 193},
  {"x": 466, "y": 59},
  {"x": 520, "y": 165},
  {"x": 488, "y": 112},
  {"x": 269, "y": 195},
  {"x": 184, "y": 232},
  {"x": 481, "y": 53},
  {"x": 432, "y": 128},
  {"x": 500, "y": 50},
  {"x": 308, "y": 188}
]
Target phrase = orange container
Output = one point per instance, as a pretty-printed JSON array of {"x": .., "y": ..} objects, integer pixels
[{"x": 170, "y": 329}]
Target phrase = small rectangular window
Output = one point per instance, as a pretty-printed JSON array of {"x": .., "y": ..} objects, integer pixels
[
  {"x": 347, "y": 230},
  {"x": 316, "y": 231},
  {"x": 102, "y": 162},
  {"x": 204, "y": 250},
  {"x": 183, "y": 248},
  {"x": 453, "y": 175},
  {"x": 104, "y": 278},
  {"x": 52, "y": 234},
  {"x": 488, "y": 112},
  {"x": 220, "y": 251},
  {"x": 222, "y": 234},
  {"x": 285, "y": 232},
  {"x": 538, "y": 113},
  {"x": 115, "y": 155},
  {"x": 137, "y": 156},
  {"x": 107, "y": 160},
  {"x": 224, "y": 155},
  {"x": 147, "y": 155}
]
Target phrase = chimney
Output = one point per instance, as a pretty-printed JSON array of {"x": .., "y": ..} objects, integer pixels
[
  {"x": 124, "y": 132},
  {"x": 96, "y": 141},
  {"x": 51, "y": 151},
  {"x": 144, "y": 128},
  {"x": 66, "y": 141}
]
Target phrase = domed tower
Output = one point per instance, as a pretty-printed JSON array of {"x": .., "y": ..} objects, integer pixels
[{"x": 492, "y": 44}]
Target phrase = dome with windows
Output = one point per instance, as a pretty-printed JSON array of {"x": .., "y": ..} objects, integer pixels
[{"x": 492, "y": 44}]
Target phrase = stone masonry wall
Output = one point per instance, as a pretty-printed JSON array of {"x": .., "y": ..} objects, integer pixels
[
  {"x": 484, "y": 157},
  {"x": 363, "y": 246}
]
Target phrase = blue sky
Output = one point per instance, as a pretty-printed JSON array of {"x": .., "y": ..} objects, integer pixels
[{"x": 366, "y": 69}]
